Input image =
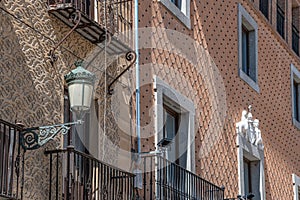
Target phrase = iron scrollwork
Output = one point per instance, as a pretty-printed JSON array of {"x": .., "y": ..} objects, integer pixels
[
  {"x": 131, "y": 57},
  {"x": 76, "y": 19},
  {"x": 33, "y": 138},
  {"x": 29, "y": 139}
]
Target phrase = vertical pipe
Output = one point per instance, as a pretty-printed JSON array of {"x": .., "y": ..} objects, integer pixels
[
  {"x": 57, "y": 170},
  {"x": 50, "y": 175},
  {"x": 2, "y": 137},
  {"x": 18, "y": 160},
  {"x": 151, "y": 178},
  {"x": 12, "y": 147},
  {"x": 68, "y": 174},
  {"x": 145, "y": 177},
  {"x": 137, "y": 72}
]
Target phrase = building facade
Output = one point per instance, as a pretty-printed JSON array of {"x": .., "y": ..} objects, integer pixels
[{"x": 208, "y": 109}]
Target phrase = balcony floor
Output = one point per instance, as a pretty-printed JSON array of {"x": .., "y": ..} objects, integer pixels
[{"x": 88, "y": 28}]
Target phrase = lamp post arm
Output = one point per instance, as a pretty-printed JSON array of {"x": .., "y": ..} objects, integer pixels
[{"x": 34, "y": 138}]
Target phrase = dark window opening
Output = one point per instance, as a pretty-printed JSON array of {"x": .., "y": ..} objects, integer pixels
[
  {"x": 171, "y": 119},
  {"x": 295, "y": 39},
  {"x": 245, "y": 51},
  {"x": 177, "y": 3},
  {"x": 280, "y": 21},
  {"x": 78, "y": 135},
  {"x": 247, "y": 176},
  {"x": 264, "y": 7},
  {"x": 295, "y": 29},
  {"x": 171, "y": 128},
  {"x": 252, "y": 177},
  {"x": 296, "y": 100}
]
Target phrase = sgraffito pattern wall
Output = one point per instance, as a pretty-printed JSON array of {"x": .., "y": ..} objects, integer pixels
[{"x": 31, "y": 89}]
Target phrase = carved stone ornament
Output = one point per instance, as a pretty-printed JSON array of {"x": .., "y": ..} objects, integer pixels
[{"x": 248, "y": 128}]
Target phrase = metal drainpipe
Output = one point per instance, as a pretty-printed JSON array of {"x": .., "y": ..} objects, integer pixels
[{"x": 137, "y": 73}]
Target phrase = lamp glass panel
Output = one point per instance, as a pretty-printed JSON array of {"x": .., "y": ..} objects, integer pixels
[
  {"x": 87, "y": 98},
  {"x": 75, "y": 96}
]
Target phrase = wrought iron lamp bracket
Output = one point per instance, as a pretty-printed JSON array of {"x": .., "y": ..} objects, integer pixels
[
  {"x": 131, "y": 57},
  {"x": 76, "y": 18},
  {"x": 34, "y": 138}
]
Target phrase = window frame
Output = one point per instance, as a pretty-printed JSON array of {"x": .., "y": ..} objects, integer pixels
[
  {"x": 295, "y": 29},
  {"x": 296, "y": 186},
  {"x": 182, "y": 13},
  {"x": 165, "y": 92},
  {"x": 246, "y": 21},
  {"x": 248, "y": 151},
  {"x": 281, "y": 14},
  {"x": 295, "y": 77},
  {"x": 264, "y": 5},
  {"x": 249, "y": 177},
  {"x": 176, "y": 117}
]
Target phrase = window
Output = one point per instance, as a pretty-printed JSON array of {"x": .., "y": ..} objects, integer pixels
[
  {"x": 251, "y": 177},
  {"x": 248, "y": 48},
  {"x": 250, "y": 168},
  {"x": 296, "y": 185},
  {"x": 177, "y": 3},
  {"x": 180, "y": 8},
  {"x": 296, "y": 98},
  {"x": 247, "y": 176},
  {"x": 280, "y": 17},
  {"x": 295, "y": 87},
  {"x": 171, "y": 123},
  {"x": 174, "y": 125},
  {"x": 79, "y": 135},
  {"x": 264, "y": 7},
  {"x": 295, "y": 28},
  {"x": 246, "y": 52},
  {"x": 178, "y": 143},
  {"x": 83, "y": 139}
]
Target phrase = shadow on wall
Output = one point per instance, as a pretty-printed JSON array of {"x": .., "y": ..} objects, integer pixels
[
  {"x": 16, "y": 86},
  {"x": 30, "y": 91}
]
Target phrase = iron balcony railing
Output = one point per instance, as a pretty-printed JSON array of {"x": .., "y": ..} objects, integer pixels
[
  {"x": 78, "y": 176},
  {"x": 295, "y": 39},
  {"x": 10, "y": 159},
  {"x": 114, "y": 16},
  {"x": 280, "y": 21},
  {"x": 163, "y": 179}
]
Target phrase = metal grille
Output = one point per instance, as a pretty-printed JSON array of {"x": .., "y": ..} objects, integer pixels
[
  {"x": 116, "y": 16},
  {"x": 10, "y": 157},
  {"x": 163, "y": 179},
  {"x": 79, "y": 176}
]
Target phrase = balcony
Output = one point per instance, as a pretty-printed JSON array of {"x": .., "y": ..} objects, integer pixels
[
  {"x": 98, "y": 17},
  {"x": 163, "y": 179},
  {"x": 74, "y": 175},
  {"x": 280, "y": 21},
  {"x": 10, "y": 157},
  {"x": 79, "y": 176},
  {"x": 295, "y": 39}
]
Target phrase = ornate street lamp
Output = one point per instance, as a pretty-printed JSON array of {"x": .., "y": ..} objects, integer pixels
[{"x": 81, "y": 86}]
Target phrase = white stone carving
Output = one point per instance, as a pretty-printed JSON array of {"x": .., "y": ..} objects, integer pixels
[{"x": 249, "y": 128}]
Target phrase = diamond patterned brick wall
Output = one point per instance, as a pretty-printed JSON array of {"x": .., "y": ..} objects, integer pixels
[{"x": 214, "y": 26}]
